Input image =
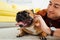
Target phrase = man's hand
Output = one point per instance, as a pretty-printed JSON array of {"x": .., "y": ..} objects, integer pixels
[{"x": 44, "y": 27}]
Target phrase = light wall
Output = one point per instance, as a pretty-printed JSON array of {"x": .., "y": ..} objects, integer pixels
[{"x": 42, "y": 4}]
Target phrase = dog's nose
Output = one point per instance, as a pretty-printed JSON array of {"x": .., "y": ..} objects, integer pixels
[{"x": 21, "y": 25}]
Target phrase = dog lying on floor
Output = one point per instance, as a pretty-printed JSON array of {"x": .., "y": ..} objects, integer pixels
[{"x": 28, "y": 24}]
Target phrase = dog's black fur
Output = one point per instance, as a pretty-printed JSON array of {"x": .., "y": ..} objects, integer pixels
[{"x": 24, "y": 16}]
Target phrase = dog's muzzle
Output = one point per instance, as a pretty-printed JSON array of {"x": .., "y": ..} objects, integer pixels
[{"x": 26, "y": 23}]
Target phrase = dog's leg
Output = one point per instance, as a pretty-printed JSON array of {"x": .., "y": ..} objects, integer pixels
[
  {"x": 43, "y": 36},
  {"x": 22, "y": 33}
]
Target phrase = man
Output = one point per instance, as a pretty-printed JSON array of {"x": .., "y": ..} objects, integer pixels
[{"x": 50, "y": 23}]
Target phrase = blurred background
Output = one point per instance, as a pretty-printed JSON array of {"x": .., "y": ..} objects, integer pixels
[{"x": 9, "y": 8}]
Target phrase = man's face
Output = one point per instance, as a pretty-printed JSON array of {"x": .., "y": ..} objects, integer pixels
[{"x": 53, "y": 11}]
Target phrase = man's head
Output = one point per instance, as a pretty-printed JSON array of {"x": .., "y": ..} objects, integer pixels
[
  {"x": 24, "y": 18},
  {"x": 53, "y": 11}
]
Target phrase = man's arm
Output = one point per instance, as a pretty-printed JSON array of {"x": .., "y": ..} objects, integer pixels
[
  {"x": 57, "y": 32},
  {"x": 44, "y": 26},
  {"x": 46, "y": 29}
]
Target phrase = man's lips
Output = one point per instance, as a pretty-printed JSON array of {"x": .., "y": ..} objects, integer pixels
[{"x": 49, "y": 12}]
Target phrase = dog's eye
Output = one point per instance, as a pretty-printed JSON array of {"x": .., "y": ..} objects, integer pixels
[{"x": 26, "y": 14}]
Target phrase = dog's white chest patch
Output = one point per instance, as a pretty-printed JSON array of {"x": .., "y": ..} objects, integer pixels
[{"x": 32, "y": 29}]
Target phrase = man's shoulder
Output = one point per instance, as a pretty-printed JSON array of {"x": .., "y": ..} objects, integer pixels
[{"x": 42, "y": 12}]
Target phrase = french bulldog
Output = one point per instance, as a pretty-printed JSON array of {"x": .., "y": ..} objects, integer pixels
[{"x": 28, "y": 24}]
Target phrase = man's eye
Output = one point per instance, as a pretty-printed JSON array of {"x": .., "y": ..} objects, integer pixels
[
  {"x": 50, "y": 4},
  {"x": 56, "y": 6}
]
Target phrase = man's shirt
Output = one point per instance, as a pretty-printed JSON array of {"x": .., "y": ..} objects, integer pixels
[{"x": 49, "y": 22}]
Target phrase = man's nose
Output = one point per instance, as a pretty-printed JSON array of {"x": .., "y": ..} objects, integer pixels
[{"x": 51, "y": 8}]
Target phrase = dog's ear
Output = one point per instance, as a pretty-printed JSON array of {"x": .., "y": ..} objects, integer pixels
[
  {"x": 18, "y": 13},
  {"x": 42, "y": 12},
  {"x": 32, "y": 10}
]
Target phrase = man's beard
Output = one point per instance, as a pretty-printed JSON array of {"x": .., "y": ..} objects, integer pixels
[{"x": 54, "y": 18}]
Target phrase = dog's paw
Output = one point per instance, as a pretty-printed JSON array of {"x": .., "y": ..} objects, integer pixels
[
  {"x": 19, "y": 36},
  {"x": 43, "y": 38}
]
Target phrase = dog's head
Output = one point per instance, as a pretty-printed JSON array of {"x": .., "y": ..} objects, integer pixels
[{"x": 25, "y": 18}]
